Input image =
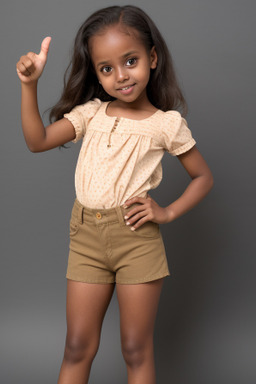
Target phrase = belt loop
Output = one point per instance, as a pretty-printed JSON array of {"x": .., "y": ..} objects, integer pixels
[{"x": 120, "y": 215}]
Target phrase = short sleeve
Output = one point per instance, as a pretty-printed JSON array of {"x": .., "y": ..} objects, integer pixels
[
  {"x": 81, "y": 115},
  {"x": 176, "y": 134}
]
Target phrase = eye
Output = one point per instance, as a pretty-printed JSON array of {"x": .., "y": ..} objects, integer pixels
[
  {"x": 131, "y": 61},
  {"x": 106, "y": 69}
]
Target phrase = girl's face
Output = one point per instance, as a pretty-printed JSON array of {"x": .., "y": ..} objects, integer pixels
[{"x": 122, "y": 64}]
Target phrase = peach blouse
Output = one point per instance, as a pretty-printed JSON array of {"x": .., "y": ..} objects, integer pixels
[{"x": 121, "y": 158}]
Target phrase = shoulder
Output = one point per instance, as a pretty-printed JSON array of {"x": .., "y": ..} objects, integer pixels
[
  {"x": 173, "y": 120},
  {"x": 85, "y": 111},
  {"x": 90, "y": 106},
  {"x": 177, "y": 137},
  {"x": 81, "y": 115},
  {"x": 172, "y": 117},
  {"x": 93, "y": 103}
]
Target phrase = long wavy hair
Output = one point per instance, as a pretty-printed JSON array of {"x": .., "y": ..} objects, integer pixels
[{"x": 80, "y": 81}]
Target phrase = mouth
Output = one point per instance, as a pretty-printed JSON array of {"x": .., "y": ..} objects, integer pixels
[{"x": 126, "y": 88}]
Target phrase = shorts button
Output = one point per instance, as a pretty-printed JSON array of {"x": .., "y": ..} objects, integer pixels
[{"x": 98, "y": 215}]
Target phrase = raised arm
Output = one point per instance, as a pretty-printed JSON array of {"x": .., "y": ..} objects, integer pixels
[{"x": 39, "y": 138}]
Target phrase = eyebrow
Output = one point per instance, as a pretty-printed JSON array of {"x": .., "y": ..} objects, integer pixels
[{"x": 124, "y": 56}]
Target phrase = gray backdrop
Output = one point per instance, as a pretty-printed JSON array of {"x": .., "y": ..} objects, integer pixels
[{"x": 205, "y": 330}]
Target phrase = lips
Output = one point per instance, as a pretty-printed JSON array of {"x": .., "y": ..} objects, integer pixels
[{"x": 126, "y": 87}]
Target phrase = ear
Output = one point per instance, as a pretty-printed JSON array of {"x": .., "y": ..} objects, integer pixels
[{"x": 153, "y": 58}]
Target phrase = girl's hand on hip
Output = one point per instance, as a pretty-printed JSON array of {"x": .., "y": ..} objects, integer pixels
[
  {"x": 30, "y": 66},
  {"x": 148, "y": 210}
]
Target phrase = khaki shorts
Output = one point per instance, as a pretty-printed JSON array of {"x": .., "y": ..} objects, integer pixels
[{"x": 103, "y": 249}]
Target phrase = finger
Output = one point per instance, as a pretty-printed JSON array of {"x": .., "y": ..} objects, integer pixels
[
  {"x": 25, "y": 65},
  {"x": 135, "y": 199},
  {"x": 136, "y": 213},
  {"x": 45, "y": 47},
  {"x": 28, "y": 63},
  {"x": 133, "y": 220},
  {"x": 31, "y": 55},
  {"x": 21, "y": 69},
  {"x": 137, "y": 223}
]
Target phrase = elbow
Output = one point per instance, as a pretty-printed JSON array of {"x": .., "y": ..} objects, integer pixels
[
  {"x": 206, "y": 181},
  {"x": 40, "y": 149},
  {"x": 210, "y": 181},
  {"x": 33, "y": 149},
  {"x": 35, "y": 145},
  {"x": 31, "y": 146}
]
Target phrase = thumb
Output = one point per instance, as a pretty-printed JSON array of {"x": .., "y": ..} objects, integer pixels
[{"x": 45, "y": 47}]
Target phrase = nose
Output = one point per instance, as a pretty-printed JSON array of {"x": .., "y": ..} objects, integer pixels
[{"x": 122, "y": 74}]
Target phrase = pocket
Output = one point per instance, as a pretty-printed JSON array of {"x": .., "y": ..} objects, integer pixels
[
  {"x": 148, "y": 230},
  {"x": 74, "y": 224},
  {"x": 73, "y": 228}
]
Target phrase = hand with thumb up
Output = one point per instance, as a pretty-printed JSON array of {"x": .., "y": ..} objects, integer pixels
[{"x": 31, "y": 66}]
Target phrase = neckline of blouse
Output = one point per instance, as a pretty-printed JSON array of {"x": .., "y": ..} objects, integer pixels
[{"x": 106, "y": 104}]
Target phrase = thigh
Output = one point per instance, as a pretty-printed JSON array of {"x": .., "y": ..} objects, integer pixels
[
  {"x": 86, "y": 308},
  {"x": 138, "y": 306}
]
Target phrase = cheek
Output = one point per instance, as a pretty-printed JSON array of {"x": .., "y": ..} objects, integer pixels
[
  {"x": 105, "y": 82},
  {"x": 144, "y": 75}
]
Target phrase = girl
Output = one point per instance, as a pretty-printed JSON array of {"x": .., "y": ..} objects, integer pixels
[{"x": 122, "y": 97}]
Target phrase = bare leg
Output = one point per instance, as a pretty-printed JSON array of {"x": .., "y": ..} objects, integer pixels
[
  {"x": 86, "y": 308},
  {"x": 138, "y": 308}
]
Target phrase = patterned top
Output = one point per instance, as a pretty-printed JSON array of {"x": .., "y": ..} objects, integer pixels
[{"x": 121, "y": 158}]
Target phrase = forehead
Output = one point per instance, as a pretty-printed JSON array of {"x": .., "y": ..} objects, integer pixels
[{"x": 114, "y": 42}]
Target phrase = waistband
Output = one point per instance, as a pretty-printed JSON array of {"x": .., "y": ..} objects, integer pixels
[{"x": 101, "y": 215}]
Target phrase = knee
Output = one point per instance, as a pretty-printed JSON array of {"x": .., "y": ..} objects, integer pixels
[
  {"x": 78, "y": 349},
  {"x": 134, "y": 352}
]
